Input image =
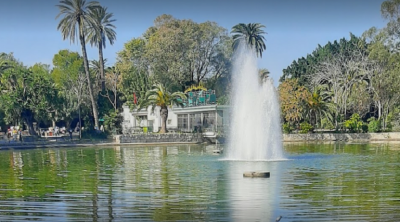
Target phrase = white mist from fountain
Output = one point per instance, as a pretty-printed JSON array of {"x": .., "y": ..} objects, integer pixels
[{"x": 255, "y": 128}]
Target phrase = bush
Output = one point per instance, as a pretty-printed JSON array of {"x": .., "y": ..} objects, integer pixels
[
  {"x": 364, "y": 128},
  {"x": 93, "y": 134},
  {"x": 306, "y": 127},
  {"x": 354, "y": 124},
  {"x": 287, "y": 128},
  {"x": 327, "y": 124},
  {"x": 374, "y": 125},
  {"x": 112, "y": 122}
]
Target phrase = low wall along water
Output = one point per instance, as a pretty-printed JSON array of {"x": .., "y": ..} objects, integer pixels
[
  {"x": 341, "y": 137},
  {"x": 161, "y": 138},
  {"x": 198, "y": 138}
]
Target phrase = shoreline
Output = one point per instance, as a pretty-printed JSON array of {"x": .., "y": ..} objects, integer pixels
[
  {"x": 33, "y": 145},
  {"x": 392, "y": 137}
]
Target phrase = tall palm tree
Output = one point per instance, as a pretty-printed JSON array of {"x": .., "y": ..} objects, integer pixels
[
  {"x": 97, "y": 35},
  {"x": 158, "y": 96},
  {"x": 252, "y": 34},
  {"x": 76, "y": 18}
]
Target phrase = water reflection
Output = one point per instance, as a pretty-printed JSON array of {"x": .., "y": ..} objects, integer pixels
[
  {"x": 158, "y": 183},
  {"x": 252, "y": 199}
]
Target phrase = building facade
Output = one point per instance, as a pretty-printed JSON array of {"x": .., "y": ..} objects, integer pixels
[{"x": 204, "y": 118}]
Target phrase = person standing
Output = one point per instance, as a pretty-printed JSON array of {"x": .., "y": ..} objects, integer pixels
[
  {"x": 9, "y": 134},
  {"x": 70, "y": 134},
  {"x": 20, "y": 134},
  {"x": 15, "y": 134}
]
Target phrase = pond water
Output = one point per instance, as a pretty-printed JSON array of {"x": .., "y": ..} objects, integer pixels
[{"x": 319, "y": 182}]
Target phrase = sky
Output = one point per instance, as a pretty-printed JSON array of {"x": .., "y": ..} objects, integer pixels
[{"x": 28, "y": 28}]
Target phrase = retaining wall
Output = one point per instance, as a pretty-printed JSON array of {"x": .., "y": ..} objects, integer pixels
[
  {"x": 161, "y": 138},
  {"x": 341, "y": 137}
]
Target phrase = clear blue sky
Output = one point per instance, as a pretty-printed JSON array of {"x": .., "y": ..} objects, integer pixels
[{"x": 28, "y": 28}]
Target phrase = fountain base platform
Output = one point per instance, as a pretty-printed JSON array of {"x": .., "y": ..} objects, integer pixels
[{"x": 256, "y": 174}]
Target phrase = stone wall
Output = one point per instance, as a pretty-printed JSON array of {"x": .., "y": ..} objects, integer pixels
[
  {"x": 160, "y": 138},
  {"x": 341, "y": 137}
]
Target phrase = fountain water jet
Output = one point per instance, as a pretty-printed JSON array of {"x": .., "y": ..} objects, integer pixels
[{"x": 255, "y": 132}]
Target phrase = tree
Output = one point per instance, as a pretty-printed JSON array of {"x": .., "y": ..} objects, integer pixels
[
  {"x": 159, "y": 96},
  {"x": 70, "y": 79},
  {"x": 76, "y": 18},
  {"x": 181, "y": 53},
  {"x": 293, "y": 99},
  {"x": 113, "y": 80},
  {"x": 251, "y": 34},
  {"x": 98, "y": 34},
  {"x": 319, "y": 106},
  {"x": 341, "y": 72},
  {"x": 305, "y": 67},
  {"x": 383, "y": 81},
  {"x": 135, "y": 77},
  {"x": 27, "y": 93}
]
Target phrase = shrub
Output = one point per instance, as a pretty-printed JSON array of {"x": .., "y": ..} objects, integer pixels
[
  {"x": 364, "y": 128},
  {"x": 287, "y": 128},
  {"x": 306, "y": 127},
  {"x": 327, "y": 124},
  {"x": 93, "y": 134},
  {"x": 112, "y": 122},
  {"x": 354, "y": 124},
  {"x": 374, "y": 125}
]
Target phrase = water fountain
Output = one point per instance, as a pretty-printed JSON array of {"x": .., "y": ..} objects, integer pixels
[{"x": 255, "y": 132}]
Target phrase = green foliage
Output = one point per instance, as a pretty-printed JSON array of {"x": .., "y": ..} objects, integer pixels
[
  {"x": 304, "y": 67},
  {"x": 223, "y": 100},
  {"x": 180, "y": 53},
  {"x": 327, "y": 124},
  {"x": 287, "y": 128},
  {"x": 374, "y": 125},
  {"x": 94, "y": 135},
  {"x": 28, "y": 94},
  {"x": 354, "y": 124},
  {"x": 112, "y": 122},
  {"x": 306, "y": 127}
]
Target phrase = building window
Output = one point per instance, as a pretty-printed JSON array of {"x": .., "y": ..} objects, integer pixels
[
  {"x": 183, "y": 122},
  {"x": 195, "y": 120},
  {"x": 209, "y": 120},
  {"x": 169, "y": 122}
]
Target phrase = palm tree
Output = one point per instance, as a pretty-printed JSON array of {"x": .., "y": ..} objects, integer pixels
[
  {"x": 4, "y": 63},
  {"x": 263, "y": 74},
  {"x": 97, "y": 35},
  {"x": 252, "y": 34},
  {"x": 76, "y": 18},
  {"x": 319, "y": 106},
  {"x": 95, "y": 67},
  {"x": 158, "y": 96}
]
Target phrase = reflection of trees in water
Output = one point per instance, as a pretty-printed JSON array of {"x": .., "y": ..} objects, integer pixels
[
  {"x": 364, "y": 183},
  {"x": 159, "y": 183}
]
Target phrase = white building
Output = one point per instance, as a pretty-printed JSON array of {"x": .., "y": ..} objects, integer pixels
[{"x": 207, "y": 117}]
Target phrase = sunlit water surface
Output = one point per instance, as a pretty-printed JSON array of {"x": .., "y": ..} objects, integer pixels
[{"x": 331, "y": 182}]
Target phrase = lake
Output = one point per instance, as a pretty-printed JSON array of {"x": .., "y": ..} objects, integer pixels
[{"x": 318, "y": 182}]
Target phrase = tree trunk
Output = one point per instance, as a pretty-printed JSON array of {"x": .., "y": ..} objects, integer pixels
[
  {"x": 27, "y": 116},
  {"x": 101, "y": 61},
  {"x": 164, "y": 117},
  {"x": 86, "y": 65},
  {"x": 379, "y": 109}
]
